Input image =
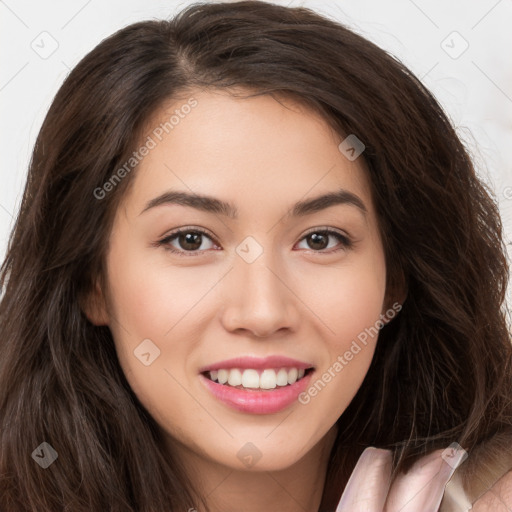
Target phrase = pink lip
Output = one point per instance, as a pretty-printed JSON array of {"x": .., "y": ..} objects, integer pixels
[
  {"x": 257, "y": 402},
  {"x": 257, "y": 363}
]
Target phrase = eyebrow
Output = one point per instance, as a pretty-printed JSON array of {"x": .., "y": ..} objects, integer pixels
[{"x": 213, "y": 205}]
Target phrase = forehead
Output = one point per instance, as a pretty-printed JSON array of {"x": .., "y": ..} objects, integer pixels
[{"x": 230, "y": 145}]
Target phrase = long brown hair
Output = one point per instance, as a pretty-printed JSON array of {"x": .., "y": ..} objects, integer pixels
[{"x": 442, "y": 369}]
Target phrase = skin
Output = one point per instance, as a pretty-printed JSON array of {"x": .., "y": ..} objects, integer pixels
[
  {"x": 498, "y": 498},
  {"x": 295, "y": 299}
]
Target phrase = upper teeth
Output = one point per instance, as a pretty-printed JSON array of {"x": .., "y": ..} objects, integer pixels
[{"x": 267, "y": 379}]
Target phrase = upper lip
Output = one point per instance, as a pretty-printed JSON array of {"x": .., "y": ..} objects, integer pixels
[{"x": 257, "y": 363}]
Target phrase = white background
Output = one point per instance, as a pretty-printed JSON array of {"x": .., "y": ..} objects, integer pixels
[{"x": 475, "y": 87}]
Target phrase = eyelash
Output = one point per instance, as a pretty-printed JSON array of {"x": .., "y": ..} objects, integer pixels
[{"x": 165, "y": 242}]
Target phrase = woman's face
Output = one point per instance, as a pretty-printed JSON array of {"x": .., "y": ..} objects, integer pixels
[{"x": 256, "y": 291}]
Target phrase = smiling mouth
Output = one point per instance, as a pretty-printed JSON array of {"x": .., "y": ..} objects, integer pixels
[{"x": 257, "y": 380}]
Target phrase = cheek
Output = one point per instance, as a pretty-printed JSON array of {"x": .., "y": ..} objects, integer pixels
[
  {"x": 349, "y": 354},
  {"x": 350, "y": 306},
  {"x": 152, "y": 301},
  {"x": 148, "y": 298},
  {"x": 347, "y": 297},
  {"x": 358, "y": 322},
  {"x": 143, "y": 306}
]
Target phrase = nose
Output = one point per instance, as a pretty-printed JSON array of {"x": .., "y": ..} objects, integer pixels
[{"x": 258, "y": 298}]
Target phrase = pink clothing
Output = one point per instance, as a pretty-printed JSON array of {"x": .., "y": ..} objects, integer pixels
[{"x": 420, "y": 490}]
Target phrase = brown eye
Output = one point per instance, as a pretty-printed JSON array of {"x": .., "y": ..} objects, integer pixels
[
  {"x": 190, "y": 241},
  {"x": 187, "y": 240},
  {"x": 319, "y": 240}
]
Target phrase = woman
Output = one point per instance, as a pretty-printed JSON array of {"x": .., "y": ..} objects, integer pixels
[{"x": 253, "y": 269}]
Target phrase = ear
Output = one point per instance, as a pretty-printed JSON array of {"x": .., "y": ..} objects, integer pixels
[{"x": 94, "y": 305}]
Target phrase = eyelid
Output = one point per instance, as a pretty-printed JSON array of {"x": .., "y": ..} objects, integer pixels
[
  {"x": 322, "y": 229},
  {"x": 186, "y": 229}
]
